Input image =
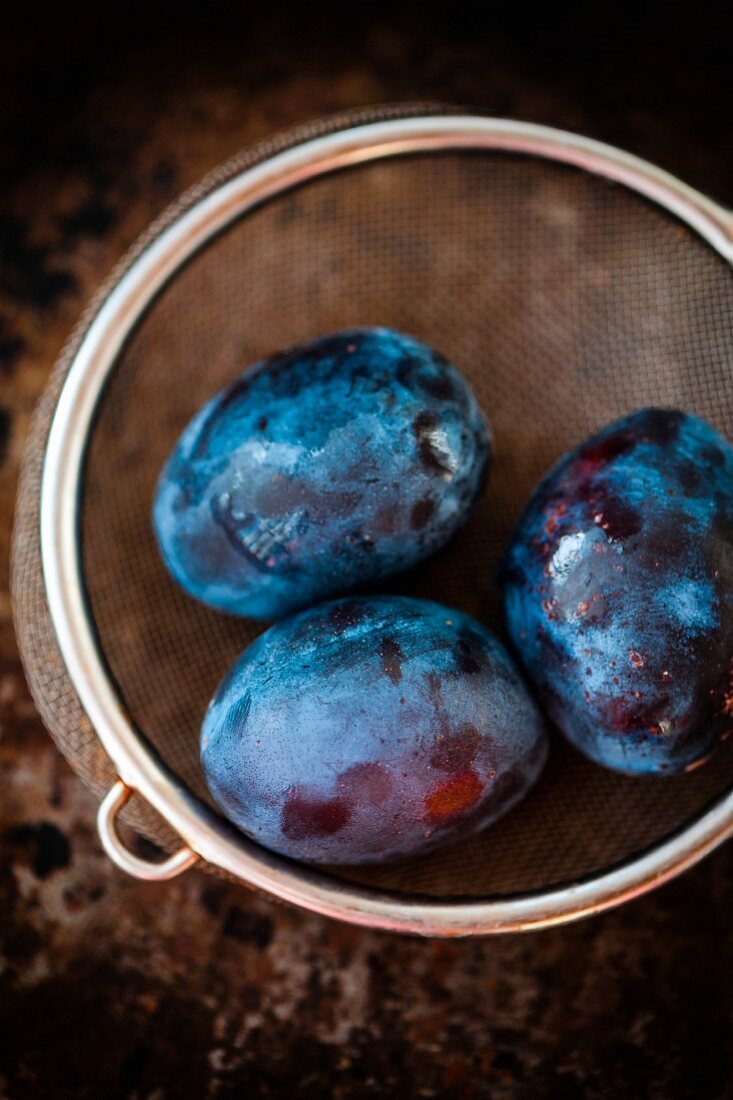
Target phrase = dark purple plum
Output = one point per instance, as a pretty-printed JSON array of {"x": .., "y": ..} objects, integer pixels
[
  {"x": 370, "y": 728},
  {"x": 618, "y": 591},
  {"x": 321, "y": 469}
]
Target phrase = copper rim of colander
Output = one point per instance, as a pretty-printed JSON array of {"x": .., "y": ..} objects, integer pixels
[{"x": 139, "y": 768}]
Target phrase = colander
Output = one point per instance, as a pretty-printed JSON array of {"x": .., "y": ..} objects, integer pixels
[{"x": 571, "y": 283}]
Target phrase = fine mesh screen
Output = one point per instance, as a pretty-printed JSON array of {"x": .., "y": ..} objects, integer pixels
[{"x": 567, "y": 301}]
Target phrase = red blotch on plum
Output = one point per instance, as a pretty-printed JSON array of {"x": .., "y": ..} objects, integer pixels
[
  {"x": 454, "y": 796},
  {"x": 304, "y": 817}
]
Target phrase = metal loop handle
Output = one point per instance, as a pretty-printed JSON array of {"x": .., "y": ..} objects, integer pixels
[{"x": 109, "y": 808}]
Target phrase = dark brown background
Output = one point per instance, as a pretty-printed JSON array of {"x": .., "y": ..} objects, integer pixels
[{"x": 112, "y": 988}]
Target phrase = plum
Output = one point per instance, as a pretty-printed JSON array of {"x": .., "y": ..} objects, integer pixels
[
  {"x": 370, "y": 728},
  {"x": 323, "y": 468},
  {"x": 618, "y": 592}
]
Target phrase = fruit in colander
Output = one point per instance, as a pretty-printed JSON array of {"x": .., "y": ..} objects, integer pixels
[
  {"x": 618, "y": 590},
  {"x": 371, "y": 728},
  {"x": 323, "y": 468}
]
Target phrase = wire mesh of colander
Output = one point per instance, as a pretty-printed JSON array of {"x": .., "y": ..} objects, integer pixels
[{"x": 565, "y": 298}]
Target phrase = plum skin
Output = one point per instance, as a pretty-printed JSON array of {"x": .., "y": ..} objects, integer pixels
[
  {"x": 370, "y": 728},
  {"x": 618, "y": 592},
  {"x": 323, "y": 468}
]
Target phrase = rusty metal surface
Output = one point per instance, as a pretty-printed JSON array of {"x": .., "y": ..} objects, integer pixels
[{"x": 110, "y": 987}]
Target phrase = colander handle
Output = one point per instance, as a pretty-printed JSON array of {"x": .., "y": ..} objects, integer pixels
[{"x": 109, "y": 808}]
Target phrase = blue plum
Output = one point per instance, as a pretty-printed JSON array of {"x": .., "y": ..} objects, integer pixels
[
  {"x": 618, "y": 592},
  {"x": 370, "y": 728},
  {"x": 323, "y": 468}
]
